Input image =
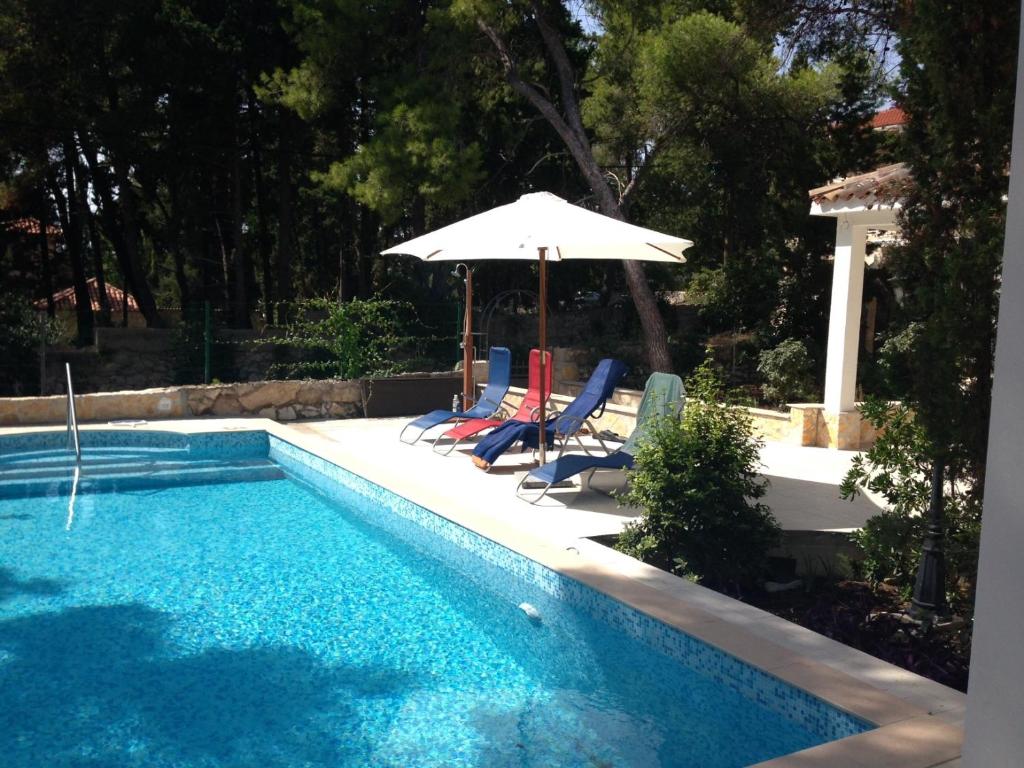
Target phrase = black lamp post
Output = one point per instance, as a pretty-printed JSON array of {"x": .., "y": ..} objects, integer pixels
[{"x": 929, "y": 599}]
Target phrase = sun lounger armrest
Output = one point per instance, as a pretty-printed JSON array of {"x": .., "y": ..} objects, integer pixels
[
  {"x": 568, "y": 425},
  {"x": 550, "y": 411}
]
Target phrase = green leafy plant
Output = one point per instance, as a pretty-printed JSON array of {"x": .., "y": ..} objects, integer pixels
[
  {"x": 787, "y": 371},
  {"x": 696, "y": 481},
  {"x": 21, "y": 332},
  {"x": 897, "y": 468},
  {"x": 345, "y": 340}
]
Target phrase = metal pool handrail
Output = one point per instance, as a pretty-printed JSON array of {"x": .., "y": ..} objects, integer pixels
[{"x": 72, "y": 418}]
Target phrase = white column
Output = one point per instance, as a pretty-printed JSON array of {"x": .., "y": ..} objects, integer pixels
[
  {"x": 995, "y": 695},
  {"x": 844, "y": 318}
]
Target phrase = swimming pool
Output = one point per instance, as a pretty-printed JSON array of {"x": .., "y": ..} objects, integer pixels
[{"x": 229, "y": 599}]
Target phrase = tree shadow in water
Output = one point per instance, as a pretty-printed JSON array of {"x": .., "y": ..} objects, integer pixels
[
  {"x": 11, "y": 585},
  {"x": 98, "y": 685}
]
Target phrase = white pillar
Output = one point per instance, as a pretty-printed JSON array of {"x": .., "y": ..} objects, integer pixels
[
  {"x": 995, "y": 695},
  {"x": 844, "y": 318}
]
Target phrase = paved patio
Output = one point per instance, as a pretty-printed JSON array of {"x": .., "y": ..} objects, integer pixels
[{"x": 803, "y": 493}]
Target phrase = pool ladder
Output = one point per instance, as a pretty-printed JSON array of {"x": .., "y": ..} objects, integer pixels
[{"x": 73, "y": 442}]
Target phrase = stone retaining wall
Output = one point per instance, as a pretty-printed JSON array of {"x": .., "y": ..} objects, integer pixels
[
  {"x": 280, "y": 400},
  {"x": 804, "y": 424}
]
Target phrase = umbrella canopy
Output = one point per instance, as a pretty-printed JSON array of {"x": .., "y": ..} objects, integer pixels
[
  {"x": 542, "y": 220},
  {"x": 542, "y": 227}
]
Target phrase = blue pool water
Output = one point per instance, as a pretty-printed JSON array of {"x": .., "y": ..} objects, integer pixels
[{"x": 175, "y": 619}]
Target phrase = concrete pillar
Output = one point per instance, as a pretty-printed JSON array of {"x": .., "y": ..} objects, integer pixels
[
  {"x": 995, "y": 695},
  {"x": 844, "y": 318}
]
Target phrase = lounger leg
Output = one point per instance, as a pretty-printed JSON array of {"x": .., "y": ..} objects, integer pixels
[
  {"x": 593, "y": 432},
  {"x": 450, "y": 448},
  {"x": 519, "y": 489},
  {"x": 416, "y": 439}
]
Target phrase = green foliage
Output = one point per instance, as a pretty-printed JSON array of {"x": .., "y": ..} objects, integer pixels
[
  {"x": 788, "y": 372},
  {"x": 898, "y": 469},
  {"x": 416, "y": 154},
  {"x": 728, "y": 141},
  {"x": 954, "y": 219},
  {"x": 696, "y": 480},
  {"x": 709, "y": 290},
  {"x": 21, "y": 332},
  {"x": 345, "y": 340}
]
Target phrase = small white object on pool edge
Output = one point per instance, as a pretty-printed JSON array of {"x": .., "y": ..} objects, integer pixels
[{"x": 531, "y": 613}]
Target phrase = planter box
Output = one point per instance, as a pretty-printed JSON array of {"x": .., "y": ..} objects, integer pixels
[{"x": 410, "y": 395}]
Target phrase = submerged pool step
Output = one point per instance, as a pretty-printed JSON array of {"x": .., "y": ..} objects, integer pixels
[
  {"x": 96, "y": 466},
  {"x": 131, "y": 476},
  {"x": 62, "y": 457}
]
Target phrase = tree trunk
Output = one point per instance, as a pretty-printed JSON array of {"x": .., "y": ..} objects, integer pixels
[
  {"x": 124, "y": 247},
  {"x": 568, "y": 123},
  {"x": 263, "y": 235},
  {"x": 240, "y": 254},
  {"x": 284, "y": 216},
  {"x": 174, "y": 233},
  {"x": 263, "y": 245},
  {"x": 129, "y": 219},
  {"x": 71, "y": 222},
  {"x": 105, "y": 313},
  {"x": 103, "y": 316},
  {"x": 44, "y": 250}
]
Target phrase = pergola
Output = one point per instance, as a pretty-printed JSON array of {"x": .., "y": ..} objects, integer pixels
[{"x": 860, "y": 205}]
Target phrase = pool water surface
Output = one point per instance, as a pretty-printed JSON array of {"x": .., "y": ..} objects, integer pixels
[{"x": 264, "y": 622}]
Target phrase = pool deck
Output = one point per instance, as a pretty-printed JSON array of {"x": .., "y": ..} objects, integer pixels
[{"x": 920, "y": 721}]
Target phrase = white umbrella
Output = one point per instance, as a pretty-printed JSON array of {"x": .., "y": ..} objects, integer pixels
[{"x": 542, "y": 227}]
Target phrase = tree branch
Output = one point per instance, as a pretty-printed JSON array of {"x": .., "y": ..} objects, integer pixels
[
  {"x": 543, "y": 105},
  {"x": 566, "y": 79}
]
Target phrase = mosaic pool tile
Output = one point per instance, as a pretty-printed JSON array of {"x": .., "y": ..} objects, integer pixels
[{"x": 767, "y": 690}]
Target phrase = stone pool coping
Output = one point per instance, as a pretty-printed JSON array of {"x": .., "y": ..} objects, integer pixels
[{"x": 919, "y": 721}]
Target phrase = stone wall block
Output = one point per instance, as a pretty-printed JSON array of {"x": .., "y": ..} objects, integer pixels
[
  {"x": 226, "y": 404},
  {"x": 269, "y": 393}
]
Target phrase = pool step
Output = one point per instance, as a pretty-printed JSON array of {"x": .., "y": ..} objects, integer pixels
[
  {"x": 58, "y": 470},
  {"x": 61, "y": 457},
  {"x": 118, "y": 477}
]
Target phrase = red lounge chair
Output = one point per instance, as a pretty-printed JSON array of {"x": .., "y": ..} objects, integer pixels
[{"x": 527, "y": 409}]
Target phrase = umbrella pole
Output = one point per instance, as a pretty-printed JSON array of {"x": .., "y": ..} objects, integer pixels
[
  {"x": 468, "y": 393},
  {"x": 543, "y": 331}
]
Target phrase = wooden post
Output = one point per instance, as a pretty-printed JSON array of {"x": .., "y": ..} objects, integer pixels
[
  {"x": 467, "y": 346},
  {"x": 543, "y": 332}
]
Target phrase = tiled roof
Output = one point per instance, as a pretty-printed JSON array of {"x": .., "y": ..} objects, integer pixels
[
  {"x": 888, "y": 117},
  {"x": 65, "y": 299},
  {"x": 882, "y": 185}
]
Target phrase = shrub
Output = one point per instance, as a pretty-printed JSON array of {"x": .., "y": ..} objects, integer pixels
[
  {"x": 21, "y": 332},
  {"x": 345, "y": 340},
  {"x": 788, "y": 372},
  {"x": 696, "y": 481},
  {"x": 898, "y": 468}
]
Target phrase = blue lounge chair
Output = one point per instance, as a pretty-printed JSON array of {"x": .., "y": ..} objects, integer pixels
[
  {"x": 498, "y": 380},
  {"x": 663, "y": 395},
  {"x": 561, "y": 426}
]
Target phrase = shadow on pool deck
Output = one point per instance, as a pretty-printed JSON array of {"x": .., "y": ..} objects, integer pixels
[{"x": 99, "y": 685}]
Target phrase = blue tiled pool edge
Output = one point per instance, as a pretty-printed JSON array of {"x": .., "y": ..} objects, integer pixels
[{"x": 795, "y": 704}]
